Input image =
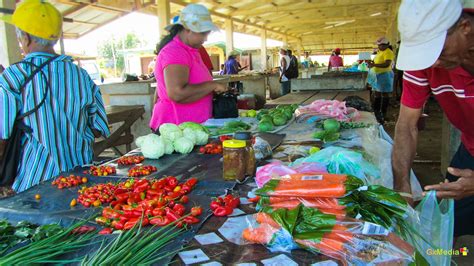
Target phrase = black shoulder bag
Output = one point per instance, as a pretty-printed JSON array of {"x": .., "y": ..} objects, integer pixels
[
  {"x": 225, "y": 105},
  {"x": 12, "y": 152}
]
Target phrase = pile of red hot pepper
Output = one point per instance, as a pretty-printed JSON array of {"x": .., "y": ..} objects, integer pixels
[
  {"x": 96, "y": 195},
  {"x": 129, "y": 160},
  {"x": 101, "y": 170},
  {"x": 157, "y": 202},
  {"x": 214, "y": 147},
  {"x": 224, "y": 206},
  {"x": 69, "y": 181},
  {"x": 138, "y": 171}
]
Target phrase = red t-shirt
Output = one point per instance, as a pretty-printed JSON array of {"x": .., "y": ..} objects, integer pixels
[
  {"x": 205, "y": 58},
  {"x": 453, "y": 89}
]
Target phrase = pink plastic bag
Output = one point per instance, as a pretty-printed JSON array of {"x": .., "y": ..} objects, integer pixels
[{"x": 278, "y": 169}]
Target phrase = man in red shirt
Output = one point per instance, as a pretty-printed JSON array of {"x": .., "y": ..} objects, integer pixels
[{"x": 437, "y": 55}]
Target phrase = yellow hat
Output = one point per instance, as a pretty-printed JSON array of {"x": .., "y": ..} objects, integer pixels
[{"x": 38, "y": 18}]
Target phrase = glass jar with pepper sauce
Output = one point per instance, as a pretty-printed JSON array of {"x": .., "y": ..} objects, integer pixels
[
  {"x": 234, "y": 160},
  {"x": 251, "y": 163}
]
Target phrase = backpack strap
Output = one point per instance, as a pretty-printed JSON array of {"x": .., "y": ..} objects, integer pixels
[{"x": 38, "y": 69}]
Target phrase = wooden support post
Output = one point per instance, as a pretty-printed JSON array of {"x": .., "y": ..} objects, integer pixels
[
  {"x": 10, "y": 50},
  {"x": 229, "y": 37},
  {"x": 164, "y": 17},
  {"x": 451, "y": 139},
  {"x": 263, "y": 48}
]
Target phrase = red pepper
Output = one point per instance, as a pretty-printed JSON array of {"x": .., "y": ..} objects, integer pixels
[
  {"x": 110, "y": 213},
  {"x": 191, "y": 182},
  {"x": 190, "y": 220},
  {"x": 179, "y": 209},
  {"x": 173, "y": 216},
  {"x": 231, "y": 201},
  {"x": 196, "y": 211},
  {"x": 105, "y": 231},
  {"x": 184, "y": 199},
  {"x": 102, "y": 220},
  {"x": 132, "y": 214},
  {"x": 157, "y": 212},
  {"x": 254, "y": 199},
  {"x": 172, "y": 181},
  {"x": 223, "y": 211},
  {"x": 83, "y": 229},
  {"x": 160, "y": 221},
  {"x": 130, "y": 224},
  {"x": 122, "y": 197},
  {"x": 214, "y": 205},
  {"x": 117, "y": 225}
]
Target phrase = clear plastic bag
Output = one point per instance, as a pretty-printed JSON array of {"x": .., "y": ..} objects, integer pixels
[
  {"x": 378, "y": 147},
  {"x": 348, "y": 240},
  {"x": 277, "y": 169},
  {"x": 435, "y": 224},
  {"x": 340, "y": 160},
  {"x": 262, "y": 149}
]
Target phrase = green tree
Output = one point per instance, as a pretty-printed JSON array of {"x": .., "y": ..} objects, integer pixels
[{"x": 111, "y": 50}]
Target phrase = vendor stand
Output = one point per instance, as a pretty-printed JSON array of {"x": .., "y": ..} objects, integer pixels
[{"x": 213, "y": 240}]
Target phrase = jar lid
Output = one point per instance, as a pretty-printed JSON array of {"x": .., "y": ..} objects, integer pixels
[
  {"x": 234, "y": 143},
  {"x": 242, "y": 135}
]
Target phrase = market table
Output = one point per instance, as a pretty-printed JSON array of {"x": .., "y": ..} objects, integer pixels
[
  {"x": 307, "y": 97},
  {"x": 126, "y": 114}
]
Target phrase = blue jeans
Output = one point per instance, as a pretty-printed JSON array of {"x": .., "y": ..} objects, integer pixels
[
  {"x": 285, "y": 87},
  {"x": 463, "y": 208}
]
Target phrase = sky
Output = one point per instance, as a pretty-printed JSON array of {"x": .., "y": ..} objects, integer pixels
[{"x": 142, "y": 26}]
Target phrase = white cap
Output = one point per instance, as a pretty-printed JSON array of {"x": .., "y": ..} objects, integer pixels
[
  {"x": 423, "y": 26},
  {"x": 195, "y": 17},
  {"x": 382, "y": 40}
]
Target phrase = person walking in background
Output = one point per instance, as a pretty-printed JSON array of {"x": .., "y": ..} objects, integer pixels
[
  {"x": 284, "y": 65},
  {"x": 335, "y": 60},
  {"x": 382, "y": 66}
]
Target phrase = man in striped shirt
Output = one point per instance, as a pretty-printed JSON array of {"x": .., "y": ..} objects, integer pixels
[
  {"x": 73, "y": 114},
  {"x": 437, "y": 54}
]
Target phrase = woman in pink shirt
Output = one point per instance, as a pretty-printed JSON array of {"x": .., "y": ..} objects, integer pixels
[
  {"x": 335, "y": 60},
  {"x": 184, "y": 84}
]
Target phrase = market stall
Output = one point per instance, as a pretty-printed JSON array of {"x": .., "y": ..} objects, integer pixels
[{"x": 219, "y": 221}]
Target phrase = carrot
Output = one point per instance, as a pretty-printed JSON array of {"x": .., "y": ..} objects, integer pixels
[
  {"x": 336, "y": 212},
  {"x": 309, "y": 178},
  {"x": 260, "y": 235},
  {"x": 322, "y": 190},
  {"x": 264, "y": 218},
  {"x": 326, "y": 203}
]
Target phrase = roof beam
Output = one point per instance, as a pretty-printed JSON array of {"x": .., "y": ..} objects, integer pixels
[
  {"x": 309, "y": 6},
  {"x": 182, "y": 3}
]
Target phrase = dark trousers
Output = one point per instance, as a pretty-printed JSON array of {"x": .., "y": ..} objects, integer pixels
[
  {"x": 464, "y": 208},
  {"x": 285, "y": 87}
]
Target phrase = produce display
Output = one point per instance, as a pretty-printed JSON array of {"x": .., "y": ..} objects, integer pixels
[
  {"x": 173, "y": 138},
  {"x": 130, "y": 160},
  {"x": 69, "y": 181},
  {"x": 142, "y": 201},
  {"x": 101, "y": 170},
  {"x": 215, "y": 146},
  {"x": 224, "y": 206},
  {"x": 96, "y": 195},
  {"x": 232, "y": 127},
  {"x": 144, "y": 170},
  {"x": 271, "y": 118}
]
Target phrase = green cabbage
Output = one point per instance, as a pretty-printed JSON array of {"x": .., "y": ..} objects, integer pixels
[
  {"x": 169, "y": 149},
  {"x": 193, "y": 126},
  {"x": 170, "y": 131},
  {"x": 201, "y": 137},
  {"x": 183, "y": 145},
  {"x": 190, "y": 134},
  {"x": 152, "y": 146}
]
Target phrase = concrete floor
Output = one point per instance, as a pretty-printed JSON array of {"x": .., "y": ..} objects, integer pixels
[{"x": 429, "y": 149}]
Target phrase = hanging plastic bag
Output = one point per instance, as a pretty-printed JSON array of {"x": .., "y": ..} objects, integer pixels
[
  {"x": 435, "y": 223},
  {"x": 372, "y": 78}
]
